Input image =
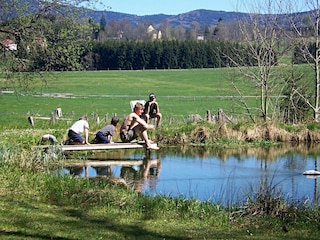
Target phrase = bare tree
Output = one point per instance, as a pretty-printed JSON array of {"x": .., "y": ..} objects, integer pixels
[
  {"x": 305, "y": 36},
  {"x": 257, "y": 56}
]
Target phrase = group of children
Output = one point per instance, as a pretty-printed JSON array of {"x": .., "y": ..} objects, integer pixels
[{"x": 133, "y": 126}]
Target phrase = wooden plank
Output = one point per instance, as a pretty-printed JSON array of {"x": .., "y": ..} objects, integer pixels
[{"x": 49, "y": 118}]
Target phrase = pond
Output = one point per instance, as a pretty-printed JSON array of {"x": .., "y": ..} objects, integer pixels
[{"x": 226, "y": 176}]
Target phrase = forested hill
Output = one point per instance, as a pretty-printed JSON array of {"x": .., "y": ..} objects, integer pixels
[{"x": 201, "y": 16}]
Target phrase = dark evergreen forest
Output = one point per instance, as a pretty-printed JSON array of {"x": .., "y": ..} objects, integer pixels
[{"x": 166, "y": 54}]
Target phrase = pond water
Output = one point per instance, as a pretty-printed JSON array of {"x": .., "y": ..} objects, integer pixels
[{"x": 226, "y": 176}]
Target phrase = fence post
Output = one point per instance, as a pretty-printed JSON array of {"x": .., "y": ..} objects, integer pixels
[
  {"x": 209, "y": 118},
  {"x": 30, "y": 119},
  {"x": 220, "y": 116},
  {"x": 52, "y": 118},
  {"x": 58, "y": 112}
]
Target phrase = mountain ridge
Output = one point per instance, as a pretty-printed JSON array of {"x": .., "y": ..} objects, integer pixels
[{"x": 202, "y": 16}]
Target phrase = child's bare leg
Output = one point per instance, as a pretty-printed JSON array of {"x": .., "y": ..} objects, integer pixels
[{"x": 144, "y": 136}]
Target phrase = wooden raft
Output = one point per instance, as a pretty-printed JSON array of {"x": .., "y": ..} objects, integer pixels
[{"x": 109, "y": 146}]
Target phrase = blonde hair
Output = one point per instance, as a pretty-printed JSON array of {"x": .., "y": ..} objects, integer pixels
[{"x": 138, "y": 106}]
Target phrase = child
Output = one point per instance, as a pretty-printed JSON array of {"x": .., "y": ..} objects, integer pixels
[
  {"x": 151, "y": 110},
  {"x": 105, "y": 134},
  {"x": 134, "y": 126},
  {"x": 79, "y": 127}
]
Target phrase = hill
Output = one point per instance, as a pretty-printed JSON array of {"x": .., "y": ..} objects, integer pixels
[{"x": 202, "y": 16}]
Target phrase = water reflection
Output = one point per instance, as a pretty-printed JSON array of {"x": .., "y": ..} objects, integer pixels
[
  {"x": 103, "y": 171},
  {"x": 136, "y": 173},
  {"x": 148, "y": 172},
  {"x": 76, "y": 171},
  {"x": 221, "y": 175}
]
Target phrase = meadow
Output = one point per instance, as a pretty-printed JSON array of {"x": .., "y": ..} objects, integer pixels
[{"x": 180, "y": 94}]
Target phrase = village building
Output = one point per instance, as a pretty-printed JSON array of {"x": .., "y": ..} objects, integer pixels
[
  {"x": 9, "y": 45},
  {"x": 154, "y": 34}
]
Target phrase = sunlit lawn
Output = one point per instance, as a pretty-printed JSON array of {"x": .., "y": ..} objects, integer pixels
[{"x": 180, "y": 93}]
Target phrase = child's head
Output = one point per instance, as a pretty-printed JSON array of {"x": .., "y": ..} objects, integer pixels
[
  {"x": 152, "y": 96},
  {"x": 138, "y": 107},
  {"x": 83, "y": 117},
  {"x": 114, "y": 120}
]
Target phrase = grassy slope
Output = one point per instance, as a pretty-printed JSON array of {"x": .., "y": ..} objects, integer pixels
[{"x": 179, "y": 93}]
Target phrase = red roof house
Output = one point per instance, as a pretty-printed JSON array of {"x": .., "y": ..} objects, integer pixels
[{"x": 9, "y": 44}]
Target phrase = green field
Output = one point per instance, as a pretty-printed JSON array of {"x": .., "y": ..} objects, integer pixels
[{"x": 180, "y": 93}]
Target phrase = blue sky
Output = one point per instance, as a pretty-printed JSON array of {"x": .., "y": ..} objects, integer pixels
[{"x": 148, "y": 7}]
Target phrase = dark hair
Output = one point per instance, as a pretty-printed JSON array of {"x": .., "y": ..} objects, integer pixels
[
  {"x": 114, "y": 120},
  {"x": 152, "y": 96}
]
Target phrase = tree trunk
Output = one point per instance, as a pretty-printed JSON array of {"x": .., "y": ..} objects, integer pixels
[{"x": 317, "y": 81}]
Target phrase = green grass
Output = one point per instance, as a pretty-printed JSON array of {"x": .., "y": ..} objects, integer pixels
[
  {"x": 206, "y": 82},
  {"x": 180, "y": 93}
]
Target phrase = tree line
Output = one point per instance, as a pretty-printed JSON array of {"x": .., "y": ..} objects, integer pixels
[{"x": 164, "y": 54}]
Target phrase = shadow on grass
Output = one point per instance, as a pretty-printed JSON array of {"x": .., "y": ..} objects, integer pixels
[
  {"x": 106, "y": 225},
  {"x": 23, "y": 220},
  {"x": 23, "y": 235}
]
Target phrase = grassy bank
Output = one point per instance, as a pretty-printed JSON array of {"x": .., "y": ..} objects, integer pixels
[{"x": 38, "y": 205}]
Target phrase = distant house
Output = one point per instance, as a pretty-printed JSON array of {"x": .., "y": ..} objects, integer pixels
[
  {"x": 9, "y": 45},
  {"x": 200, "y": 37},
  {"x": 154, "y": 34}
]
